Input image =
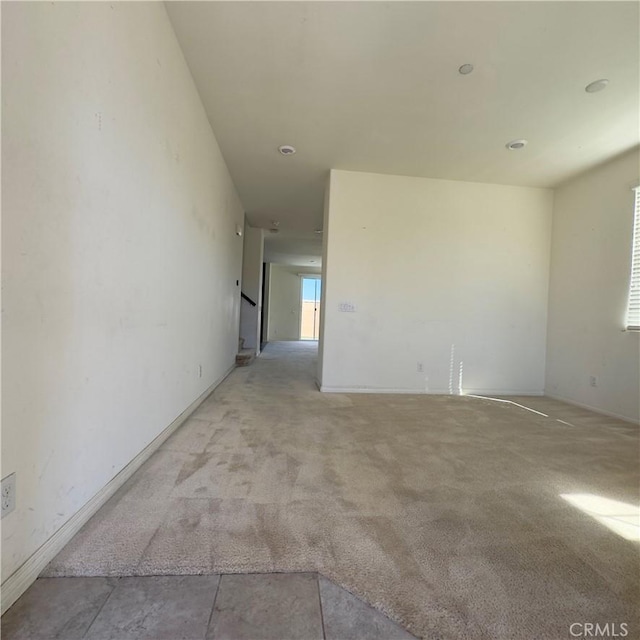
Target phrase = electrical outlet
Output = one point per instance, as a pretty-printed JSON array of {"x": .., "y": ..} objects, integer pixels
[
  {"x": 8, "y": 494},
  {"x": 420, "y": 367},
  {"x": 593, "y": 381}
]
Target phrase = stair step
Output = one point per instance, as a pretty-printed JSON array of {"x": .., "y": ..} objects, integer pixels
[{"x": 245, "y": 357}]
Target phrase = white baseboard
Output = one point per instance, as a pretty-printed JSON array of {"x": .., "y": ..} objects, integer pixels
[
  {"x": 502, "y": 392},
  {"x": 326, "y": 389},
  {"x": 435, "y": 392},
  {"x": 23, "y": 577},
  {"x": 603, "y": 412}
]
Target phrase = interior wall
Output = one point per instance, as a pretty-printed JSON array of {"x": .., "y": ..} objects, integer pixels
[
  {"x": 589, "y": 287},
  {"x": 284, "y": 301},
  {"x": 435, "y": 286},
  {"x": 120, "y": 257},
  {"x": 252, "y": 287},
  {"x": 266, "y": 295},
  {"x": 325, "y": 248}
]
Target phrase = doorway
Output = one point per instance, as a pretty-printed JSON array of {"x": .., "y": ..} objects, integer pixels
[{"x": 311, "y": 290}]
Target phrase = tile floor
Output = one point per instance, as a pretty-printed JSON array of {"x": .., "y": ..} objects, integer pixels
[{"x": 278, "y": 606}]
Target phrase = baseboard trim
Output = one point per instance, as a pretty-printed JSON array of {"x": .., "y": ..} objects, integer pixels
[
  {"x": 326, "y": 389},
  {"x": 433, "y": 392},
  {"x": 23, "y": 577},
  {"x": 502, "y": 392},
  {"x": 603, "y": 412}
]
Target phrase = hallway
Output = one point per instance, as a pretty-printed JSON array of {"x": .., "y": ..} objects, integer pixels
[{"x": 446, "y": 513}]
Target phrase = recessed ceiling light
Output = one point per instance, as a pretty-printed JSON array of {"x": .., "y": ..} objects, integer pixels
[
  {"x": 287, "y": 150},
  {"x": 465, "y": 69},
  {"x": 596, "y": 86},
  {"x": 514, "y": 145}
]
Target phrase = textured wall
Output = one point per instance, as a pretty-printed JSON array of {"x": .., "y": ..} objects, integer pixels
[
  {"x": 590, "y": 272},
  {"x": 443, "y": 276},
  {"x": 120, "y": 257}
]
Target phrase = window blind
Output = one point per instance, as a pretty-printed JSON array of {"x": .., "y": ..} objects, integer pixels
[{"x": 633, "y": 308}]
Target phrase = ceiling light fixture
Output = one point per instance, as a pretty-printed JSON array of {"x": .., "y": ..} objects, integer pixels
[
  {"x": 287, "y": 150},
  {"x": 514, "y": 145},
  {"x": 465, "y": 69},
  {"x": 597, "y": 85}
]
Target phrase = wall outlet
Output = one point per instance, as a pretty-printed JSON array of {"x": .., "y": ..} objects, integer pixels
[
  {"x": 420, "y": 367},
  {"x": 8, "y": 494},
  {"x": 593, "y": 381}
]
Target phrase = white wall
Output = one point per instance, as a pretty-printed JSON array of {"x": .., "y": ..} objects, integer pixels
[
  {"x": 265, "y": 302},
  {"x": 284, "y": 301},
  {"x": 590, "y": 271},
  {"x": 451, "y": 275},
  {"x": 251, "y": 287},
  {"x": 120, "y": 257},
  {"x": 325, "y": 236}
]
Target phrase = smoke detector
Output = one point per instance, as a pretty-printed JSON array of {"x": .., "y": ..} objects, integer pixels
[
  {"x": 596, "y": 86},
  {"x": 514, "y": 145},
  {"x": 287, "y": 150}
]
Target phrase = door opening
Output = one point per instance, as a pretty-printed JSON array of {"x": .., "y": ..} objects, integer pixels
[{"x": 310, "y": 308}]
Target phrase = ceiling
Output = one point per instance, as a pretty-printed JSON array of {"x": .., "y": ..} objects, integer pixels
[
  {"x": 296, "y": 248},
  {"x": 374, "y": 86}
]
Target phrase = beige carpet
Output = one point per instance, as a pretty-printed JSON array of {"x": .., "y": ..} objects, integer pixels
[{"x": 443, "y": 512}]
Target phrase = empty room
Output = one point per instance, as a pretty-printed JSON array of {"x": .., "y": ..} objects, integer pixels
[{"x": 320, "y": 320}]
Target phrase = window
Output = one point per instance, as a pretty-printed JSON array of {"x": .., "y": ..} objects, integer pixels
[{"x": 633, "y": 309}]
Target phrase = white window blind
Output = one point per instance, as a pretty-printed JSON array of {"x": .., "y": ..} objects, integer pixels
[{"x": 633, "y": 309}]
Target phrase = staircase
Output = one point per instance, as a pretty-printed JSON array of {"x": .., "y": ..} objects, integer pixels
[{"x": 245, "y": 356}]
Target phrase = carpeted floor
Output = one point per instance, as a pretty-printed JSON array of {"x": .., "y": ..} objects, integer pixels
[{"x": 446, "y": 513}]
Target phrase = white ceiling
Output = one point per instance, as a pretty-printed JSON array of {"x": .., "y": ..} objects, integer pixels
[
  {"x": 296, "y": 248},
  {"x": 374, "y": 86}
]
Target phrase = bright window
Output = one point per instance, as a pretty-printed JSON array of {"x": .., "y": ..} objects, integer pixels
[{"x": 633, "y": 309}]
